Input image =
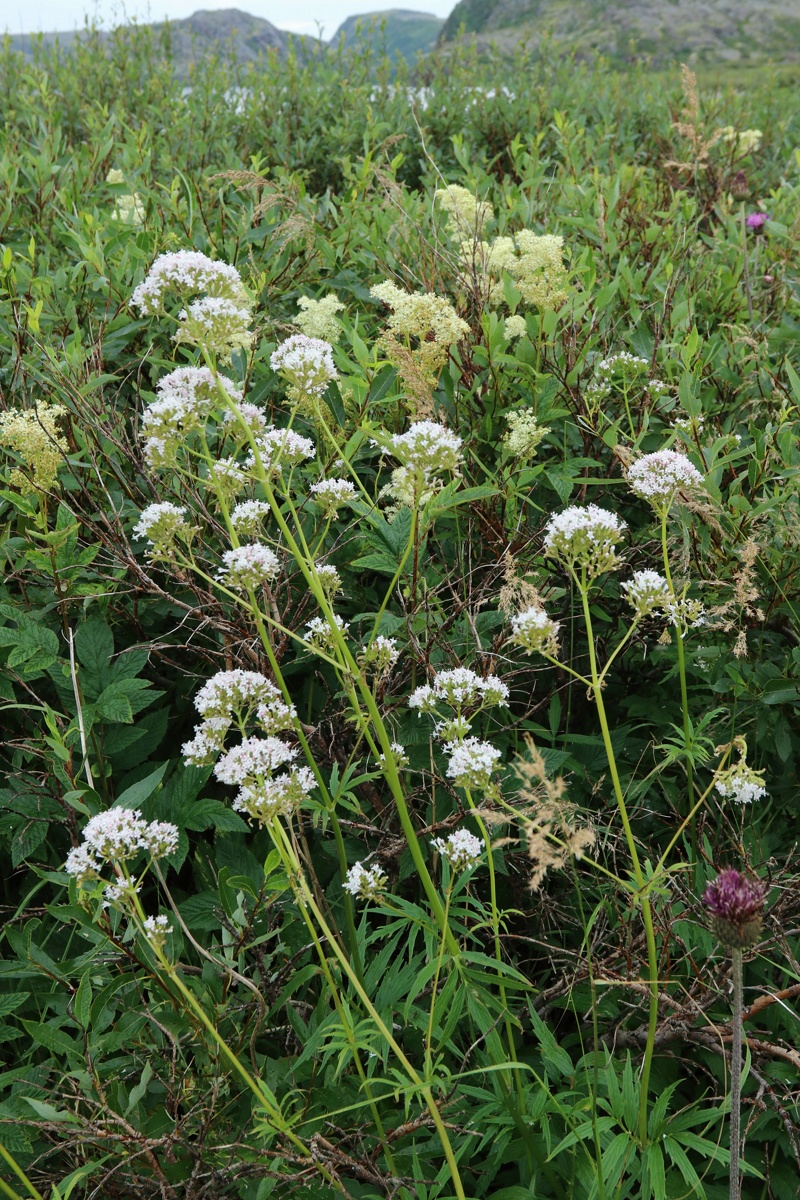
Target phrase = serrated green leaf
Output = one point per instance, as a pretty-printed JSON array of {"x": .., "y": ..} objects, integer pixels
[{"x": 26, "y": 840}]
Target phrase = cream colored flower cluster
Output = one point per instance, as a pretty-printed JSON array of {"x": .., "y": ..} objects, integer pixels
[
  {"x": 33, "y": 434},
  {"x": 534, "y": 262},
  {"x": 422, "y": 322},
  {"x": 317, "y": 318},
  {"x": 466, "y": 214}
]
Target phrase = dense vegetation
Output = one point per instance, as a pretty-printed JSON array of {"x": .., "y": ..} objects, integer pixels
[{"x": 519, "y": 993}]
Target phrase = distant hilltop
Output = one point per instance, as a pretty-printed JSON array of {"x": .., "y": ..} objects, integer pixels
[
  {"x": 245, "y": 37},
  {"x": 666, "y": 31}
]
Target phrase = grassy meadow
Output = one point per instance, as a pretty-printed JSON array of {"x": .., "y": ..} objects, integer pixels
[{"x": 415, "y": 450}]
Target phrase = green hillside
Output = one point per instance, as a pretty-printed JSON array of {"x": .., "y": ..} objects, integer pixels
[
  {"x": 697, "y": 31},
  {"x": 395, "y": 31}
]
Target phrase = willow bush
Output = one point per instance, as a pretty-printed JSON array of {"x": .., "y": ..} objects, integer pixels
[{"x": 399, "y": 631}]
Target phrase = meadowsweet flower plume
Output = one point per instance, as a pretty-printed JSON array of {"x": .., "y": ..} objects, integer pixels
[
  {"x": 466, "y": 214},
  {"x": 317, "y": 318},
  {"x": 33, "y": 434}
]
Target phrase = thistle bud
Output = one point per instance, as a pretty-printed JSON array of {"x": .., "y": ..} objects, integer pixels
[{"x": 735, "y": 904}]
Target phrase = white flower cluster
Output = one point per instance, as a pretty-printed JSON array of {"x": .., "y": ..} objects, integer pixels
[
  {"x": 647, "y": 592},
  {"x": 329, "y": 577},
  {"x": 186, "y": 272},
  {"x": 466, "y": 214},
  {"x": 622, "y": 362},
  {"x": 685, "y": 614},
  {"x": 185, "y": 399},
  {"x": 584, "y": 538},
  {"x": 252, "y": 763},
  {"x": 306, "y": 362},
  {"x": 365, "y": 882},
  {"x": 659, "y": 477},
  {"x": 116, "y": 836},
  {"x": 216, "y": 323},
  {"x": 317, "y": 318},
  {"x": 460, "y": 688},
  {"x": 534, "y": 261},
  {"x": 128, "y": 206},
  {"x": 524, "y": 434},
  {"x": 744, "y": 141},
  {"x": 471, "y": 762},
  {"x": 333, "y": 494},
  {"x": 249, "y": 419},
  {"x": 247, "y": 517},
  {"x": 397, "y": 755},
  {"x": 244, "y": 695},
  {"x": 155, "y": 929},
  {"x": 461, "y": 849},
  {"x": 161, "y": 524},
  {"x": 534, "y": 631},
  {"x": 227, "y": 476},
  {"x": 514, "y": 327},
  {"x": 427, "y": 448},
  {"x": 281, "y": 447},
  {"x": 320, "y": 634},
  {"x": 248, "y": 567},
  {"x": 741, "y": 784},
  {"x": 381, "y": 654}
]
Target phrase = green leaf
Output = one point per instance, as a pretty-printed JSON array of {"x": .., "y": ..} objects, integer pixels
[
  {"x": 137, "y": 793},
  {"x": 36, "y": 648},
  {"x": 83, "y": 1001},
  {"x": 212, "y": 814},
  {"x": 49, "y": 1113},
  {"x": 94, "y": 646},
  {"x": 54, "y": 1040},
  {"x": 26, "y": 840},
  {"x": 11, "y": 1001}
]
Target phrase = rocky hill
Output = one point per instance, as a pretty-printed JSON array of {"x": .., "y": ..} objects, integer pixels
[
  {"x": 694, "y": 31},
  {"x": 396, "y": 30}
]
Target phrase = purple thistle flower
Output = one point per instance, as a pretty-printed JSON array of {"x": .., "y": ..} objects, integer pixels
[
  {"x": 735, "y": 903},
  {"x": 757, "y": 221}
]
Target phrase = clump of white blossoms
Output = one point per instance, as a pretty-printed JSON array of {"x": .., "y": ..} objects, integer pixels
[
  {"x": 329, "y": 577},
  {"x": 534, "y": 262},
  {"x": 333, "y": 494},
  {"x": 188, "y": 272},
  {"x": 461, "y": 849},
  {"x": 624, "y": 363},
  {"x": 420, "y": 322},
  {"x": 741, "y": 784},
  {"x": 243, "y": 695},
  {"x": 115, "y": 837},
  {"x": 185, "y": 400},
  {"x": 427, "y": 448},
  {"x": 319, "y": 633},
  {"x": 263, "y": 794},
  {"x": 305, "y": 362},
  {"x": 397, "y": 756},
  {"x": 659, "y": 478},
  {"x": 227, "y": 478},
  {"x": 365, "y": 882},
  {"x": 317, "y": 318},
  {"x": 685, "y": 614},
  {"x": 248, "y": 419},
  {"x": 524, "y": 434},
  {"x": 466, "y": 214},
  {"x": 128, "y": 206},
  {"x": 647, "y": 592},
  {"x": 744, "y": 141},
  {"x": 471, "y": 762},
  {"x": 278, "y": 448},
  {"x": 535, "y": 631},
  {"x": 515, "y": 327},
  {"x": 381, "y": 654},
  {"x": 460, "y": 688},
  {"x": 248, "y": 567},
  {"x": 217, "y": 324},
  {"x": 248, "y": 516},
  {"x": 156, "y": 930},
  {"x": 585, "y": 538},
  {"x": 161, "y": 524}
]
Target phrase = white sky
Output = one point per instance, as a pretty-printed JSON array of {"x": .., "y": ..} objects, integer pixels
[{"x": 300, "y": 16}]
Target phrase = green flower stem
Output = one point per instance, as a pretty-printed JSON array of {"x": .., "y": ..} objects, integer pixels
[
  {"x": 20, "y": 1174},
  {"x": 687, "y": 728},
  {"x": 644, "y": 900},
  {"x": 440, "y": 957},
  {"x": 412, "y": 536},
  {"x": 737, "y": 971},
  {"x": 307, "y": 902}
]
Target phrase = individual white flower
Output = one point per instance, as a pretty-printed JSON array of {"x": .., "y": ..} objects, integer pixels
[
  {"x": 248, "y": 516},
  {"x": 365, "y": 882},
  {"x": 253, "y": 757},
  {"x": 535, "y": 631},
  {"x": 584, "y": 537},
  {"x": 320, "y": 634},
  {"x": 188, "y": 272},
  {"x": 471, "y": 762},
  {"x": 381, "y": 654},
  {"x": 306, "y": 362},
  {"x": 332, "y": 494},
  {"x": 428, "y": 448},
  {"x": 82, "y": 863},
  {"x": 281, "y": 447},
  {"x": 741, "y": 784},
  {"x": 647, "y": 592},
  {"x": 217, "y": 324},
  {"x": 461, "y": 849},
  {"x": 161, "y": 524},
  {"x": 317, "y": 318},
  {"x": 660, "y": 477},
  {"x": 248, "y": 567},
  {"x": 156, "y": 930}
]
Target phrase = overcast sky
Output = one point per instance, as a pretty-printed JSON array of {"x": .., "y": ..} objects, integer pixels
[{"x": 301, "y": 16}]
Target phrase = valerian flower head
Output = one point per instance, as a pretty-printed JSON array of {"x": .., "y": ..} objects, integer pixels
[
  {"x": 237, "y": 693},
  {"x": 535, "y": 632},
  {"x": 161, "y": 524},
  {"x": 278, "y": 448},
  {"x": 622, "y": 363},
  {"x": 333, "y": 494},
  {"x": 33, "y": 434},
  {"x": 264, "y": 795},
  {"x": 659, "y": 478},
  {"x": 397, "y": 756},
  {"x": 119, "y": 834},
  {"x": 253, "y": 756},
  {"x": 461, "y": 849},
  {"x": 320, "y": 634},
  {"x": 248, "y": 567},
  {"x": 460, "y": 688},
  {"x": 305, "y": 362},
  {"x": 685, "y": 614},
  {"x": 188, "y": 272},
  {"x": 248, "y": 420},
  {"x": 82, "y": 864},
  {"x": 217, "y": 324},
  {"x": 735, "y": 904},
  {"x": 741, "y": 784},
  {"x": 317, "y": 318},
  {"x": 427, "y": 449},
  {"x": 471, "y": 762},
  {"x": 647, "y": 592},
  {"x": 381, "y": 654},
  {"x": 185, "y": 400},
  {"x": 248, "y": 516},
  {"x": 585, "y": 538},
  {"x": 329, "y": 577},
  {"x": 226, "y": 478},
  {"x": 156, "y": 930},
  {"x": 365, "y": 882}
]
